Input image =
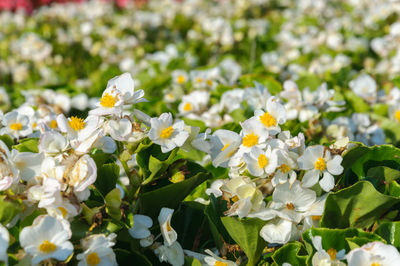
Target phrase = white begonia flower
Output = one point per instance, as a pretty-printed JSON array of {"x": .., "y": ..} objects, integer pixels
[
  {"x": 47, "y": 238},
  {"x": 365, "y": 87},
  {"x": 224, "y": 144},
  {"x": 279, "y": 232},
  {"x": 83, "y": 173},
  {"x": 52, "y": 142},
  {"x": 286, "y": 168},
  {"x": 61, "y": 208},
  {"x": 80, "y": 101},
  {"x": 28, "y": 163},
  {"x": 4, "y": 242},
  {"x": 318, "y": 161},
  {"x": 292, "y": 200},
  {"x": 16, "y": 125},
  {"x": 215, "y": 188},
  {"x": 213, "y": 260},
  {"x": 261, "y": 163},
  {"x": 179, "y": 76},
  {"x": 374, "y": 253},
  {"x": 274, "y": 116},
  {"x": 329, "y": 257},
  {"x": 141, "y": 225},
  {"x": 253, "y": 134},
  {"x": 77, "y": 129},
  {"x": 168, "y": 233},
  {"x": 120, "y": 129},
  {"x": 97, "y": 250},
  {"x": 194, "y": 103},
  {"x": 172, "y": 254},
  {"x": 106, "y": 144},
  {"x": 120, "y": 91},
  {"x": 314, "y": 214},
  {"x": 9, "y": 173},
  {"x": 166, "y": 134}
]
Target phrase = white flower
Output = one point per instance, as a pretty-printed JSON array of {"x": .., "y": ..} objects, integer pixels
[
  {"x": 365, "y": 87},
  {"x": 279, "y": 232},
  {"x": 285, "y": 169},
  {"x": 274, "y": 116},
  {"x": 16, "y": 125},
  {"x": 83, "y": 173},
  {"x": 261, "y": 163},
  {"x": 4, "y": 242},
  {"x": 97, "y": 250},
  {"x": 318, "y": 161},
  {"x": 9, "y": 173},
  {"x": 120, "y": 129},
  {"x": 172, "y": 254},
  {"x": 213, "y": 260},
  {"x": 374, "y": 253},
  {"x": 77, "y": 129},
  {"x": 52, "y": 142},
  {"x": 253, "y": 134},
  {"x": 28, "y": 163},
  {"x": 292, "y": 200},
  {"x": 166, "y": 134},
  {"x": 224, "y": 144},
  {"x": 331, "y": 257},
  {"x": 47, "y": 238},
  {"x": 168, "y": 233},
  {"x": 195, "y": 102},
  {"x": 141, "y": 225}
]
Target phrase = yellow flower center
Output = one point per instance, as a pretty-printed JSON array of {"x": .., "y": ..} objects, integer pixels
[
  {"x": 76, "y": 123},
  {"x": 262, "y": 161},
  {"x": 250, "y": 140},
  {"x": 63, "y": 211},
  {"x": 169, "y": 229},
  {"x": 375, "y": 264},
  {"x": 199, "y": 80},
  {"x": 220, "y": 263},
  {"x": 34, "y": 124},
  {"x": 93, "y": 259},
  {"x": 180, "y": 79},
  {"x": 53, "y": 124},
  {"x": 284, "y": 168},
  {"x": 267, "y": 120},
  {"x": 290, "y": 206},
  {"x": 225, "y": 146},
  {"x": 209, "y": 82},
  {"x": 167, "y": 132},
  {"x": 108, "y": 100},
  {"x": 235, "y": 198},
  {"x": 332, "y": 253},
  {"x": 16, "y": 126},
  {"x": 320, "y": 164},
  {"x": 397, "y": 115},
  {"x": 316, "y": 217},
  {"x": 187, "y": 107},
  {"x": 47, "y": 247}
]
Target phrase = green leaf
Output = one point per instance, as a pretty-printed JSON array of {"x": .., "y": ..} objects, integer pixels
[
  {"x": 113, "y": 203},
  {"x": 8, "y": 210},
  {"x": 381, "y": 175},
  {"x": 88, "y": 213},
  {"x": 246, "y": 233},
  {"x": 290, "y": 253},
  {"x": 389, "y": 126},
  {"x": 394, "y": 189},
  {"x": 169, "y": 196},
  {"x": 7, "y": 140},
  {"x": 107, "y": 176},
  {"x": 390, "y": 231},
  {"x": 359, "y": 205},
  {"x": 190, "y": 261},
  {"x": 28, "y": 145},
  {"x": 356, "y": 102}
]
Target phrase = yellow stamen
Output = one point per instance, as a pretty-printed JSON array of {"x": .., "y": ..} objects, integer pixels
[
  {"x": 220, "y": 263},
  {"x": 375, "y": 264},
  {"x": 63, "y": 211},
  {"x": 316, "y": 217},
  {"x": 267, "y": 120},
  {"x": 235, "y": 198},
  {"x": 284, "y": 168},
  {"x": 250, "y": 140},
  {"x": 199, "y": 80},
  {"x": 397, "y": 115},
  {"x": 262, "y": 161},
  {"x": 187, "y": 107},
  {"x": 53, "y": 124},
  {"x": 167, "y": 132},
  {"x": 47, "y": 247},
  {"x": 93, "y": 259},
  {"x": 108, "y": 100},
  {"x": 180, "y": 79},
  {"x": 76, "y": 123},
  {"x": 332, "y": 253},
  {"x": 169, "y": 229},
  {"x": 290, "y": 206},
  {"x": 209, "y": 82},
  {"x": 34, "y": 124},
  {"x": 16, "y": 126},
  {"x": 225, "y": 146},
  {"x": 320, "y": 164}
]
